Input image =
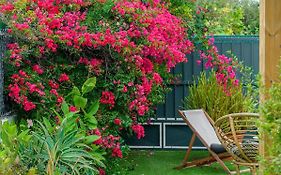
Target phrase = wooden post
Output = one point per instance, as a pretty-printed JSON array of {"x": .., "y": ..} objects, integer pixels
[
  {"x": 270, "y": 40},
  {"x": 270, "y": 49}
]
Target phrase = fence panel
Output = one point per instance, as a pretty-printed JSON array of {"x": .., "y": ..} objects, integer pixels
[{"x": 174, "y": 133}]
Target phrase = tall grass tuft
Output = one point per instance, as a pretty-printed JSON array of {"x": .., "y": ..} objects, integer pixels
[{"x": 207, "y": 94}]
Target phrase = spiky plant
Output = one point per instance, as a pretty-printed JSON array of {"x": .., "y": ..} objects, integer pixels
[
  {"x": 207, "y": 94},
  {"x": 62, "y": 150}
]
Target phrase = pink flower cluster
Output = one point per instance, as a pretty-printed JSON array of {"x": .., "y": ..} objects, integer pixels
[
  {"x": 21, "y": 86},
  {"x": 7, "y": 7},
  {"x": 165, "y": 36},
  {"x": 225, "y": 71},
  {"x": 63, "y": 77},
  {"x": 164, "y": 32},
  {"x": 94, "y": 64},
  {"x": 108, "y": 98},
  {"x": 141, "y": 104},
  {"x": 24, "y": 87},
  {"x": 139, "y": 130},
  {"x": 15, "y": 54},
  {"x": 36, "y": 68},
  {"x": 109, "y": 142}
]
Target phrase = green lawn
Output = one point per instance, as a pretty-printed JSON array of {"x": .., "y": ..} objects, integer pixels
[{"x": 163, "y": 162}]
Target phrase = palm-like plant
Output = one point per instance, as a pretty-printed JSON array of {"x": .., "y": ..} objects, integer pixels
[{"x": 62, "y": 150}]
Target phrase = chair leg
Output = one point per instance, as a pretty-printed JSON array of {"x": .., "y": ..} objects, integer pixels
[
  {"x": 253, "y": 170},
  {"x": 189, "y": 148},
  {"x": 237, "y": 169},
  {"x": 219, "y": 161},
  {"x": 184, "y": 162}
]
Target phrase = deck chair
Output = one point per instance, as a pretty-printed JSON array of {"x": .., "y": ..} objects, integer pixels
[{"x": 202, "y": 127}]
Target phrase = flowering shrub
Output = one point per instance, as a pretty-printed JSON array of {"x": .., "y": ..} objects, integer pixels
[
  {"x": 196, "y": 18},
  {"x": 129, "y": 45}
]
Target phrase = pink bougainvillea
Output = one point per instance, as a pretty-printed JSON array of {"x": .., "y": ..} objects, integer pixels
[
  {"x": 109, "y": 142},
  {"x": 72, "y": 109},
  {"x": 108, "y": 97},
  {"x": 63, "y": 77},
  {"x": 37, "y": 69},
  {"x": 130, "y": 50},
  {"x": 139, "y": 130},
  {"x": 117, "y": 121},
  {"x": 225, "y": 71}
]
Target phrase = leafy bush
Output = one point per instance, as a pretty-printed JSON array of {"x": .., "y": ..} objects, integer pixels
[
  {"x": 271, "y": 127},
  {"x": 62, "y": 150},
  {"x": 207, "y": 94},
  {"x": 59, "y": 149},
  {"x": 227, "y": 17},
  {"x": 251, "y": 16},
  {"x": 11, "y": 141}
]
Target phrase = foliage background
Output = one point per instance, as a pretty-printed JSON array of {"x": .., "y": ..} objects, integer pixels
[
  {"x": 224, "y": 17},
  {"x": 271, "y": 127}
]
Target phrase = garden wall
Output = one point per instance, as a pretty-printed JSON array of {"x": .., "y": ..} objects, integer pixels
[{"x": 167, "y": 129}]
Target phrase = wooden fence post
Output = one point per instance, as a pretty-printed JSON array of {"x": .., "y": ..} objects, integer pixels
[{"x": 270, "y": 49}]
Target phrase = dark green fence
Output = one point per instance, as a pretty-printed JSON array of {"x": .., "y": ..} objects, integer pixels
[{"x": 168, "y": 129}]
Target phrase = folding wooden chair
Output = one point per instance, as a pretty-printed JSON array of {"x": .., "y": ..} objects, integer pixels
[{"x": 202, "y": 126}]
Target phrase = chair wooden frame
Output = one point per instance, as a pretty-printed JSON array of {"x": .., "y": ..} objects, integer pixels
[{"x": 214, "y": 157}]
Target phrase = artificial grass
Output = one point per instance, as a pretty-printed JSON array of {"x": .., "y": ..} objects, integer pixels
[{"x": 163, "y": 162}]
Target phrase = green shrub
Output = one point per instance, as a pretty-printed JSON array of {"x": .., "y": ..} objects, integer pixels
[
  {"x": 11, "y": 140},
  {"x": 271, "y": 127},
  {"x": 222, "y": 17},
  {"x": 207, "y": 94},
  {"x": 49, "y": 148},
  {"x": 62, "y": 150}
]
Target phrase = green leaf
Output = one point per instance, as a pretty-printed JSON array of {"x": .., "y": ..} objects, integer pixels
[
  {"x": 65, "y": 107},
  {"x": 58, "y": 115},
  {"x": 80, "y": 102},
  {"x": 68, "y": 120},
  {"x": 24, "y": 136},
  {"x": 74, "y": 91},
  {"x": 91, "y": 121},
  {"x": 90, "y": 139},
  {"x": 48, "y": 125},
  {"x": 69, "y": 116},
  {"x": 8, "y": 133},
  {"x": 94, "y": 108},
  {"x": 89, "y": 85}
]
